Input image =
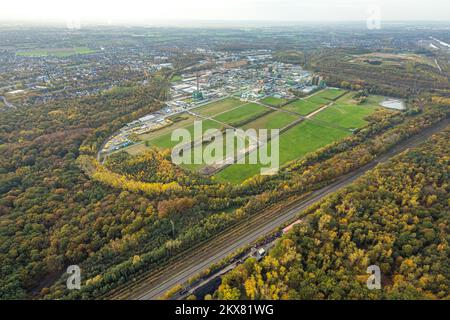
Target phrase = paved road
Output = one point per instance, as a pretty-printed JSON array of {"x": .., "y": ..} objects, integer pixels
[{"x": 207, "y": 257}]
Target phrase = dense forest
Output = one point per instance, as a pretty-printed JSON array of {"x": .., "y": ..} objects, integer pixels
[
  {"x": 396, "y": 216},
  {"x": 51, "y": 213}
]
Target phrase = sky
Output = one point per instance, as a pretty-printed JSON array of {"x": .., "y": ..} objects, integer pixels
[{"x": 111, "y": 11}]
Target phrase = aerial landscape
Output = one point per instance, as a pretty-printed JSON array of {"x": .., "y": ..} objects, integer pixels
[{"x": 225, "y": 158}]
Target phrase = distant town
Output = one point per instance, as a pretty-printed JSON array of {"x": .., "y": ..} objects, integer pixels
[{"x": 249, "y": 76}]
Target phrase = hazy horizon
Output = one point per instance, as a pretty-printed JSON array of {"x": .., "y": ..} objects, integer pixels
[{"x": 179, "y": 11}]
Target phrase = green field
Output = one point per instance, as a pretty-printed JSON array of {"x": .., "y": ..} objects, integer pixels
[
  {"x": 216, "y": 107},
  {"x": 244, "y": 113},
  {"x": 334, "y": 123},
  {"x": 176, "y": 78},
  {"x": 302, "y": 107},
  {"x": 346, "y": 116},
  {"x": 273, "y": 120},
  {"x": 56, "y": 52},
  {"x": 331, "y": 94},
  {"x": 294, "y": 143},
  {"x": 273, "y": 101},
  {"x": 314, "y": 102},
  {"x": 330, "y": 125},
  {"x": 318, "y": 99},
  {"x": 346, "y": 113},
  {"x": 225, "y": 152},
  {"x": 372, "y": 100},
  {"x": 165, "y": 141}
]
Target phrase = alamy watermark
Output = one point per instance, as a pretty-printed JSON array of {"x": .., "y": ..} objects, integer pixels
[
  {"x": 374, "y": 280},
  {"x": 218, "y": 148},
  {"x": 374, "y": 17},
  {"x": 74, "y": 280}
]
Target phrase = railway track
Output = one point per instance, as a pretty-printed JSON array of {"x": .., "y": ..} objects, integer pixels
[{"x": 217, "y": 242}]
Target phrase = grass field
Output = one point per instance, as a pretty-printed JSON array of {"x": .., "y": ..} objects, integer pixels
[
  {"x": 273, "y": 101},
  {"x": 333, "y": 123},
  {"x": 347, "y": 116},
  {"x": 318, "y": 99},
  {"x": 331, "y": 94},
  {"x": 176, "y": 78},
  {"x": 165, "y": 141},
  {"x": 225, "y": 152},
  {"x": 310, "y": 135},
  {"x": 311, "y": 104},
  {"x": 214, "y": 108},
  {"x": 294, "y": 143},
  {"x": 274, "y": 120},
  {"x": 56, "y": 52},
  {"x": 302, "y": 107},
  {"x": 136, "y": 149},
  {"x": 372, "y": 100},
  {"x": 206, "y": 124},
  {"x": 239, "y": 115},
  {"x": 346, "y": 113}
]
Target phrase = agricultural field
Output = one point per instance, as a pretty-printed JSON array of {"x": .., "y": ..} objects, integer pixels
[
  {"x": 295, "y": 143},
  {"x": 214, "y": 108},
  {"x": 241, "y": 115},
  {"x": 273, "y": 120},
  {"x": 225, "y": 152},
  {"x": 327, "y": 126},
  {"x": 229, "y": 110},
  {"x": 347, "y": 114},
  {"x": 302, "y": 107},
  {"x": 165, "y": 141},
  {"x": 331, "y": 94},
  {"x": 307, "y": 105},
  {"x": 55, "y": 52},
  {"x": 274, "y": 101}
]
